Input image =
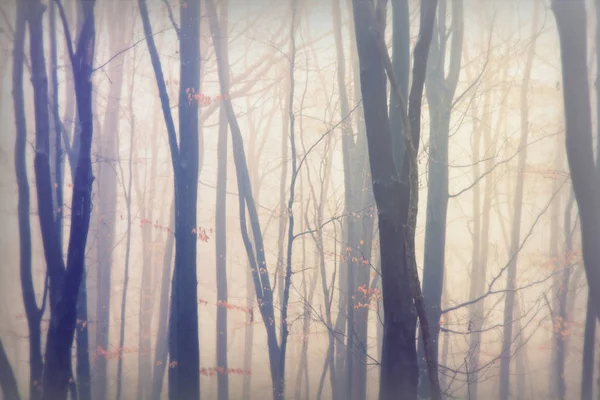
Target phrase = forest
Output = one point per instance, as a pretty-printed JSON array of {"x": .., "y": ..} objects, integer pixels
[{"x": 299, "y": 199}]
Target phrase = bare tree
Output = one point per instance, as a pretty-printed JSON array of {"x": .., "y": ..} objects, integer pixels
[
  {"x": 395, "y": 194},
  {"x": 184, "y": 349}
]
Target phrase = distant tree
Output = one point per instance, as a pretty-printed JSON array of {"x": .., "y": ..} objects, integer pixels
[{"x": 517, "y": 209}]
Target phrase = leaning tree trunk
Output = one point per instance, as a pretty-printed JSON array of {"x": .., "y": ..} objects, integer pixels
[{"x": 256, "y": 252}]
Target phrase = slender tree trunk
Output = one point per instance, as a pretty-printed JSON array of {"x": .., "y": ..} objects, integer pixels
[
  {"x": 509, "y": 303},
  {"x": 107, "y": 193},
  {"x": 256, "y": 253},
  {"x": 221, "y": 222},
  {"x": 32, "y": 312},
  {"x": 440, "y": 96},
  {"x": 147, "y": 291},
  {"x": 127, "y": 193},
  {"x": 161, "y": 350}
]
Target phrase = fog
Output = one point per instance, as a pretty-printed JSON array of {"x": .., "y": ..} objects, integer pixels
[{"x": 258, "y": 159}]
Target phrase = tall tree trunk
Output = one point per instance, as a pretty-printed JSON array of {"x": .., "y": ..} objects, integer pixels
[
  {"x": 256, "y": 253},
  {"x": 161, "y": 350},
  {"x": 572, "y": 31},
  {"x": 147, "y": 291},
  {"x": 32, "y": 312},
  {"x": 395, "y": 196},
  {"x": 351, "y": 361},
  {"x": 65, "y": 283},
  {"x": 401, "y": 66},
  {"x": 515, "y": 243},
  {"x": 221, "y": 220},
  {"x": 107, "y": 192},
  {"x": 561, "y": 323},
  {"x": 184, "y": 349},
  {"x": 440, "y": 96},
  {"x": 127, "y": 195}
]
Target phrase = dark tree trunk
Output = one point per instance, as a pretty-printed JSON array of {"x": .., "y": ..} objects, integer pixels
[
  {"x": 8, "y": 383},
  {"x": 184, "y": 349},
  {"x": 587, "y": 364},
  {"x": 440, "y": 96},
  {"x": 401, "y": 65},
  {"x": 395, "y": 195},
  {"x": 33, "y": 313},
  {"x": 65, "y": 283}
]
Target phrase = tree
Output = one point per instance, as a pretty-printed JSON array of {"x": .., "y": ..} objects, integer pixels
[
  {"x": 184, "y": 349},
  {"x": 7, "y": 377},
  {"x": 116, "y": 16},
  {"x": 220, "y": 218},
  {"x": 517, "y": 207},
  {"x": 441, "y": 88},
  {"x": 395, "y": 192},
  {"x": 64, "y": 282},
  {"x": 32, "y": 311},
  {"x": 572, "y": 24}
]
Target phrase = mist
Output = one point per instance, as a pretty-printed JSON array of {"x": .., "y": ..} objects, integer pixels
[{"x": 341, "y": 199}]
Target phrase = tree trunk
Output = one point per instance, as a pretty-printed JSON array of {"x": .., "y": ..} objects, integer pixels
[
  {"x": 221, "y": 221},
  {"x": 8, "y": 383},
  {"x": 107, "y": 193},
  {"x": 148, "y": 205},
  {"x": 440, "y": 96},
  {"x": 32, "y": 312},
  {"x": 517, "y": 207},
  {"x": 395, "y": 196},
  {"x": 161, "y": 351},
  {"x": 587, "y": 365},
  {"x": 65, "y": 284},
  {"x": 262, "y": 285},
  {"x": 184, "y": 350},
  {"x": 572, "y": 30}
]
